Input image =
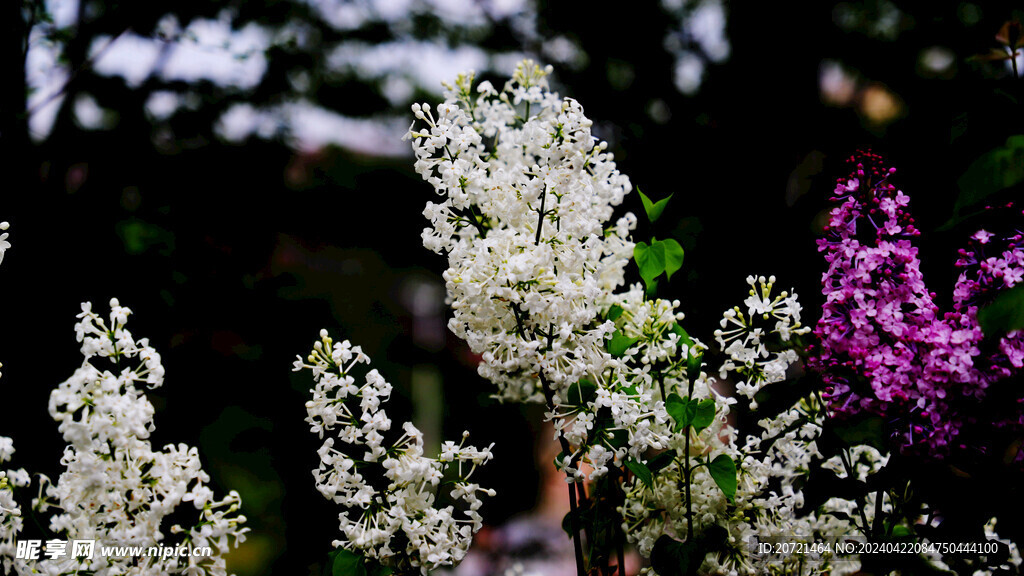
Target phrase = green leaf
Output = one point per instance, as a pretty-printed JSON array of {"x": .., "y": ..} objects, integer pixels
[
  {"x": 995, "y": 170},
  {"x": 347, "y": 563},
  {"x": 641, "y": 471},
  {"x": 672, "y": 558},
  {"x": 704, "y": 414},
  {"x": 650, "y": 259},
  {"x": 614, "y": 312},
  {"x": 673, "y": 256},
  {"x": 619, "y": 343},
  {"x": 1004, "y": 314},
  {"x": 652, "y": 289},
  {"x": 694, "y": 363},
  {"x": 691, "y": 411},
  {"x": 653, "y": 209},
  {"x": 660, "y": 256},
  {"x": 723, "y": 470},
  {"x": 661, "y": 461},
  {"x": 901, "y": 531},
  {"x": 678, "y": 408}
]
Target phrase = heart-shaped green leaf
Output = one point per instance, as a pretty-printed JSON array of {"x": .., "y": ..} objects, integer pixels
[
  {"x": 650, "y": 258},
  {"x": 673, "y": 256},
  {"x": 678, "y": 409},
  {"x": 660, "y": 256},
  {"x": 653, "y": 209},
  {"x": 704, "y": 414},
  {"x": 723, "y": 470}
]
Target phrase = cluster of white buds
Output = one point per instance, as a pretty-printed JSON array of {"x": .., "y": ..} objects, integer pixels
[
  {"x": 385, "y": 484},
  {"x": 115, "y": 489}
]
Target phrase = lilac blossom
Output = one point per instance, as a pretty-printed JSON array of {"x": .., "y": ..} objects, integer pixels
[{"x": 885, "y": 346}]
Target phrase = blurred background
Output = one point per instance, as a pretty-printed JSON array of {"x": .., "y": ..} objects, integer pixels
[{"x": 234, "y": 172}]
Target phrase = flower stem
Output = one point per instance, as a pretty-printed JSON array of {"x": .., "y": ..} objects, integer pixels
[
  {"x": 686, "y": 478},
  {"x": 687, "y": 469},
  {"x": 577, "y": 545},
  {"x": 540, "y": 217}
]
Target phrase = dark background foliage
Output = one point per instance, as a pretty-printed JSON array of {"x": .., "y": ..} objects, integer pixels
[{"x": 234, "y": 254}]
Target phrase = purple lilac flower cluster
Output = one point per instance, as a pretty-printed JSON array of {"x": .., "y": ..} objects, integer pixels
[{"x": 885, "y": 347}]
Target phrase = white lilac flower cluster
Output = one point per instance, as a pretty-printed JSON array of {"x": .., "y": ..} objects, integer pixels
[
  {"x": 533, "y": 268},
  {"x": 776, "y": 465},
  {"x": 743, "y": 338},
  {"x": 386, "y": 485},
  {"x": 650, "y": 511},
  {"x": 627, "y": 404},
  {"x": 526, "y": 195},
  {"x": 11, "y": 522},
  {"x": 115, "y": 488},
  {"x": 767, "y": 502}
]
